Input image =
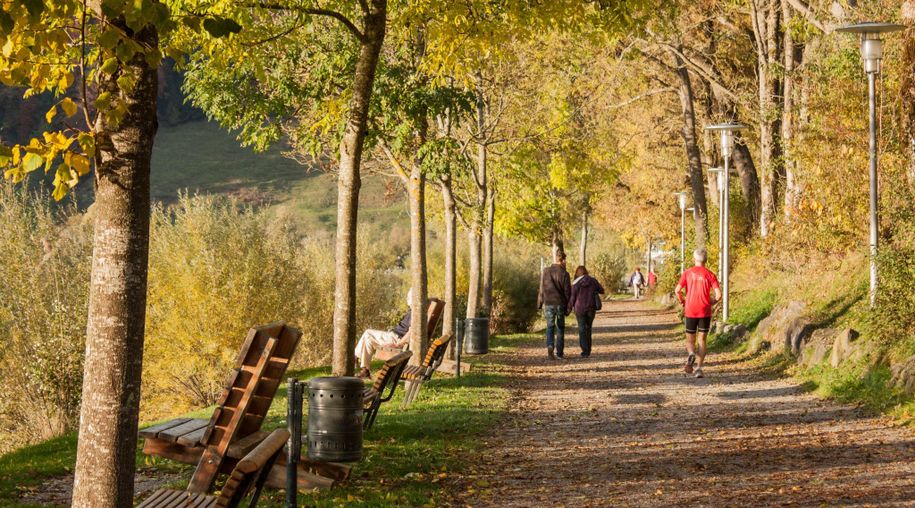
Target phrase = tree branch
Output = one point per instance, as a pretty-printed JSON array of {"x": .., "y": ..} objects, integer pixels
[
  {"x": 808, "y": 14},
  {"x": 307, "y": 10}
]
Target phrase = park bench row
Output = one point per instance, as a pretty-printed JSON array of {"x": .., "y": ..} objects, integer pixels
[{"x": 231, "y": 440}]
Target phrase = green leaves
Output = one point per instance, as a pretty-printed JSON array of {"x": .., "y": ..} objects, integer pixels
[{"x": 220, "y": 27}]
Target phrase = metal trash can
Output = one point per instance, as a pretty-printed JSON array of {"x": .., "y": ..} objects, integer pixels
[
  {"x": 476, "y": 336},
  {"x": 335, "y": 419}
]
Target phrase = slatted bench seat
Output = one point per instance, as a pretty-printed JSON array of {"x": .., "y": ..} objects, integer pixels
[
  {"x": 386, "y": 379},
  {"x": 416, "y": 375},
  {"x": 433, "y": 316},
  {"x": 249, "y": 475}
]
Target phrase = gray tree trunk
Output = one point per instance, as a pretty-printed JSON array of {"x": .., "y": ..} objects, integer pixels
[
  {"x": 693, "y": 155},
  {"x": 487, "y": 249},
  {"x": 765, "y": 16},
  {"x": 106, "y": 449},
  {"x": 419, "y": 335},
  {"x": 475, "y": 234},
  {"x": 583, "y": 246},
  {"x": 474, "y": 240},
  {"x": 793, "y": 55},
  {"x": 348, "y": 184},
  {"x": 907, "y": 88},
  {"x": 448, "y": 314}
]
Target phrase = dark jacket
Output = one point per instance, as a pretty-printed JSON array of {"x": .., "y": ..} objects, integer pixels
[
  {"x": 404, "y": 326},
  {"x": 555, "y": 287},
  {"x": 584, "y": 291}
]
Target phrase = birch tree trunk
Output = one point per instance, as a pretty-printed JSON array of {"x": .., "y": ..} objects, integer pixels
[
  {"x": 106, "y": 449},
  {"x": 793, "y": 54},
  {"x": 475, "y": 234},
  {"x": 348, "y": 184},
  {"x": 583, "y": 247}
]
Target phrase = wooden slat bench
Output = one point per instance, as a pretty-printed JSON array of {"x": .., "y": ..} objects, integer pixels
[
  {"x": 249, "y": 475},
  {"x": 217, "y": 444},
  {"x": 417, "y": 375},
  {"x": 433, "y": 316},
  {"x": 385, "y": 379}
]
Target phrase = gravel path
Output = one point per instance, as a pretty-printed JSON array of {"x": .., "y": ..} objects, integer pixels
[{"x": 627, "y": 427}]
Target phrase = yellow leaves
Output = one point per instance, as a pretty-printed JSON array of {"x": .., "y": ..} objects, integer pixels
[
  {"x": 23, "y": 160},
  {"x": 49, "y": 116},
  {"x": 68, "y": 106},
  {"x": 78, "y": 162},
  {"x": 31, "y": 162}
]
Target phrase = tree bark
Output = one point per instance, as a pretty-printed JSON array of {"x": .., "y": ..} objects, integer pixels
[
  {"x": 907, "y": 88},
  {"x": 474, "y": 268},
  {"x": 106, "y": 449},
  {"x": 793, "y": 54},
  {"x": 749, "y": 181},
  {"x": 765, "y": 16},
  {"x": 348, "y": 187},
  {"x": 487, "y": 249},
  {"x": 693, "y": 155},
  {"x": 419, "y": 335},
  {"x": 583, "y": 247},
  {"x": 448, "y": 314},
  {"x": 475, "y": 234}
]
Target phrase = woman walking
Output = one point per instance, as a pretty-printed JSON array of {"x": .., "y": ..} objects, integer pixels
[{"x": 585, "y": 302}]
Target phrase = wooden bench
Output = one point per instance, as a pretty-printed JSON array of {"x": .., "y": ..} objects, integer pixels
[
  {"x": 250, "y": 473},
  {"x": 385, "y": 379},
  {"x": 216, "y": 445},
  {"x": 433, "y": 316},
  {"x": 417, "y": 375}
]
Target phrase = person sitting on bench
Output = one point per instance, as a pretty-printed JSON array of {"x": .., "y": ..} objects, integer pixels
[{"x": 372, "y": 340}]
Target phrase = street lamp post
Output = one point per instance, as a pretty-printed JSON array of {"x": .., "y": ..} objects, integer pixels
[
  {"x": 872, "y": 54},
  {"x": 681, "y": 200},
  {"x": 719, "y": 177},
  {"x": 727, "y": 147}
]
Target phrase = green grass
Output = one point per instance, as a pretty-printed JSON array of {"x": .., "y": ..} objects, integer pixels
[{"x": 407, "y": 453}]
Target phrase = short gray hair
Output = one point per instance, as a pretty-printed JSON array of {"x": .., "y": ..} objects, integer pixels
[{"x": 700, "y": 255}]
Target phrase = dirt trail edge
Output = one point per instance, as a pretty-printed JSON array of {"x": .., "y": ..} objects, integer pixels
[{"x": 627, "y": 427}]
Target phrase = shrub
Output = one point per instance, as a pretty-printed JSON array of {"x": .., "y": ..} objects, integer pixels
[
  {"x": 514, "y": 294},
  {"x": 44, "y": 287}
]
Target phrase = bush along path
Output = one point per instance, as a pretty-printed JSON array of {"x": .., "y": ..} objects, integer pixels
[{"x": 627, "y": 427}]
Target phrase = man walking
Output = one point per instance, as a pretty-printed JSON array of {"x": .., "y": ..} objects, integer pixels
[
  {"x": 553, "y": 298},
  {"x": 637, "y": 280},
  {"x": 698, "y": 282}
]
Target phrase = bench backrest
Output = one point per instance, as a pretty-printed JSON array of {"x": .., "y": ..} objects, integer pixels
[
  {"x": 436, "y": 352},
  {"x": 436, "y": 308},
  {"x": 389, "y": 374},
  {"x": 252, "y": 470},
  {"x": 248, "y": 393}
]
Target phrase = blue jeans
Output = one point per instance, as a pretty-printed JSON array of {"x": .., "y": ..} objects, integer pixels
[{"x": 555, "y": 316}]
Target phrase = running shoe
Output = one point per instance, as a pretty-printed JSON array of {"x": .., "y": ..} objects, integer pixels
[
  {"x": 698, "y": 373},
  {"x": 690, "y": 360}
]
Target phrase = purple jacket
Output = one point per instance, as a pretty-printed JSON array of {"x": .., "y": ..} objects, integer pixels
[{"x": 584, "y": 290}]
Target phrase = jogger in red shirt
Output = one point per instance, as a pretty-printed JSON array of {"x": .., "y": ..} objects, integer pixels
[{"x": 698, "y": 282}]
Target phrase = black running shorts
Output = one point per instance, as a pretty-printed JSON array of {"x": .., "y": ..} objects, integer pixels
[{"x": 700, "y": 324}]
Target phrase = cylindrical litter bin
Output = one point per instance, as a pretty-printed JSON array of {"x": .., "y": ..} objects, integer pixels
[
  {"x": 335, "y": 419},
  {"x": 476, "y": 336}
]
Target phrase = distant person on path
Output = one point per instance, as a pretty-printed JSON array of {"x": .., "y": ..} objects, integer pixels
[
  {"x": 698, "y": 282},
  {"x": 586, "y": 293},
  {"x": 553, "y": 298},
  {"x": 372, "y": 340},
  {"x": 652, "y": 279},
  {"x": 637, "y": 280}
]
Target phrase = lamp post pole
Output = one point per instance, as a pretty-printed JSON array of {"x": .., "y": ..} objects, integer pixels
[
  {"x": 727, "y": 147},
  {"x": 872, "y": 54},
  {"x": 719, "y": 177}
]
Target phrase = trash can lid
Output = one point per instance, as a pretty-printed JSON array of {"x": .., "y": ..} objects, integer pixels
[{"x": 336, "y": 383}]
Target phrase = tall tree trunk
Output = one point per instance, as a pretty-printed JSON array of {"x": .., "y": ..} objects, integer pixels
[
  {"x": 793, "y": 54},
  {"x": 487, "y": 249},
  {"x": 448, "y": 315},
  {"x": 583, "y": 246},
  {"x": 106, "y": 449},
  {"x": 688, "y": 131},
  {"x": 475, "y": 234},
  {"x": 348, "y": 188},
  {"x": 907, "y": 88},
  {"x": 749, "y": 181},
  {"x": 419, "y": 335},
  {"x": 765, "y": 16}
]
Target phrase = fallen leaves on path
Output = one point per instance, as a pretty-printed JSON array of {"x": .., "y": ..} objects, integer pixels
[{"x": 627, "y": 427}]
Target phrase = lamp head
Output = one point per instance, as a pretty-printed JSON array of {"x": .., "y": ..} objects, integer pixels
[
  {"x": 727, "y": 136},
  {"x": 871, "y": 41}
]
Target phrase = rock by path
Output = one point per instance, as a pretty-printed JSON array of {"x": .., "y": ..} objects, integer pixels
[{"x": 627, "y": 427}]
